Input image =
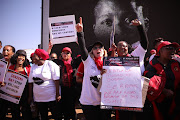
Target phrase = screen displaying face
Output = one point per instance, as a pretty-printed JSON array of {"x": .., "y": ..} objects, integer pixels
[
  {"x": 158, "y": 18},
  {"x": 119, "y": 13}
]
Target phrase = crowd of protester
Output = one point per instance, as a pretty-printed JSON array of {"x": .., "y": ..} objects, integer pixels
[{"x": 56, "y": 83}]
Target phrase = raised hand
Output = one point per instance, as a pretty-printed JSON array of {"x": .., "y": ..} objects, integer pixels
[
  {"x": 135, "y": 22},
  {"x": 50, "y": 44},
  {"x": 79, "y": 26},
  {"x": 113, "y": 47}
]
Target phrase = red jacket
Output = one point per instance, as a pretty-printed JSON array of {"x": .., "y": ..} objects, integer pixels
[
  {"x": 162, "y": 77},
  {"x": 28, "y": 68}
]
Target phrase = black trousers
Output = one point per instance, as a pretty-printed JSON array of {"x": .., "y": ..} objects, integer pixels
[
  {"x": 66, "y": 106},
  {"x": 3, "y": 108},
  {"x": 15, "y": 110},
  {"x": 25, "y": 109},
  {"x": 95, "y": 113},
  {"x": 43, "y": 109}
]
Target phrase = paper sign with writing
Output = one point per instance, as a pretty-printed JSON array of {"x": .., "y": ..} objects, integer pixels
[
  {"x": 3, "y": 68},
  {"x": 14, "y": 86},
  {"x": 62, "y": 29},
  {"x": 121, "y": 84}
]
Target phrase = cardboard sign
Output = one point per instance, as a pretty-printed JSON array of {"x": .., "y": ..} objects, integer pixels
[
  {"x": 62, "y": 29},
  {"x": 3, "y": 68},
  {"x": 121, "y": 84},
  {"x": 145, "y": 82},
  {"x": 14, "y": 86}
]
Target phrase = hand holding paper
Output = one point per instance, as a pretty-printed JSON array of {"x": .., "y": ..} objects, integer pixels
[{"x": 79, "y": 26}]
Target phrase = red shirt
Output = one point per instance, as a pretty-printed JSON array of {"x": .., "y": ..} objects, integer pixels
[
  {"x": 28, "y": 68},
  {"x": 80, "y": 71}
]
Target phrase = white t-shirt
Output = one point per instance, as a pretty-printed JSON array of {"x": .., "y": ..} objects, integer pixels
[
  {"x": 48, "y": 72},
  {"x": 89, "y": 94},
  {"x": 140, "y": 52}
]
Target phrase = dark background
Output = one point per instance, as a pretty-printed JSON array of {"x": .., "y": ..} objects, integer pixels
[{"x": 163, "y": 20}]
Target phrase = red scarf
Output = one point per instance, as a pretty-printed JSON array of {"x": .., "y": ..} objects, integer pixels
[
  {"x": 69, "y": 70},
  {"x": 99, "y": 63}
]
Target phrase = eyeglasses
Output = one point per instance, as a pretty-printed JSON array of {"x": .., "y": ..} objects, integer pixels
[
  {"x": 66, "y": 53},
  {"x": 95, "y": 48}
]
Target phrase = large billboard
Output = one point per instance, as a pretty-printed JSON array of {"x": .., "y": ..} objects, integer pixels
[{"x": 159, "y": 18}]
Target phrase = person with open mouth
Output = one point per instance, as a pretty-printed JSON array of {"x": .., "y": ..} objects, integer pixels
[{"x": 93, "y": 62}]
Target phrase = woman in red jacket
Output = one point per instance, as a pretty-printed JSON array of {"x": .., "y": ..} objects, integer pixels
[{"x": 163, "y": 72}]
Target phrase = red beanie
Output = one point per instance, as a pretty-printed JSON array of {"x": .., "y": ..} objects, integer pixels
[
  {"x": 42, "y": 54},
  {"x": 32, "y": 55}
]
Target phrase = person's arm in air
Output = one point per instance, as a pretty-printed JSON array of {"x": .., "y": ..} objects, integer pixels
[
  {"x": 113, "y": 50},
  {"x": 81, "y": 40},
  {"x": 143, "y": 36},
  {"x": 50, "y": 45}
]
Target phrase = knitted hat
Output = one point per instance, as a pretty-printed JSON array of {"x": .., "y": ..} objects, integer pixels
[
  {"x": 42, "y": 54},
  {"x": 32, "y": 55}
]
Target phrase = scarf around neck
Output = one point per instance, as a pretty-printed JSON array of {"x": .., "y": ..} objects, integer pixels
[
  {"x": 99, "y": 63},
  {"x": 69, "y": 70}
]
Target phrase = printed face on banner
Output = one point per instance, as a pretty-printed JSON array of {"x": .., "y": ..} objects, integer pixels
[{"x": 122, "y": 12}]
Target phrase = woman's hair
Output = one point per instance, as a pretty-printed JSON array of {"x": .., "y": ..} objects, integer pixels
[
  {"x": 13, "y": 49},
  {"x": 13, "y": 59},
  {"x": 104, "y": 55}
]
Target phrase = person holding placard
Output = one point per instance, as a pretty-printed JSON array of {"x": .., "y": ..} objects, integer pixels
[
  {"x": 67, "y": 83},
  {"x": 164, "y": 84},
  {"x": 21, "y": 65},
  {"x": 93, "y": 62},
  {"x": 44, "y": 84},
  {"x": 8, "y": 52},
  {"x": 140, "y": 51}
]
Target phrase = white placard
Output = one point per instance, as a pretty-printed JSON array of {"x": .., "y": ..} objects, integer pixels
[
  {"x": 14, "y": 86},
  {"x": 62, "y": 29},
  {"x": 121, "y": 84},
  {"x": 3, "y": 68}
]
